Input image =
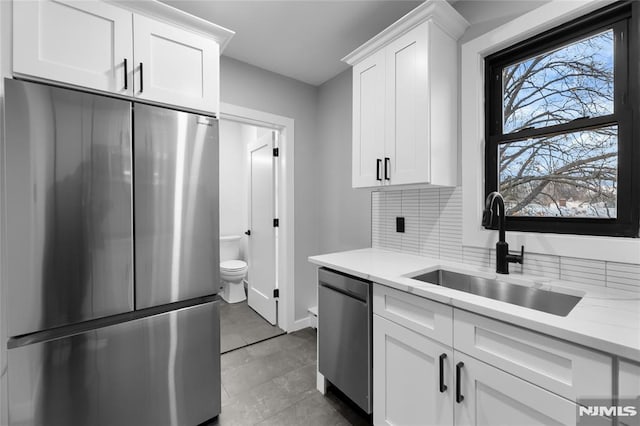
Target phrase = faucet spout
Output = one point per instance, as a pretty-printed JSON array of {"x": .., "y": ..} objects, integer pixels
[
  {"x": 495, "y": 200},
  {"x": 489, "y": 216}
]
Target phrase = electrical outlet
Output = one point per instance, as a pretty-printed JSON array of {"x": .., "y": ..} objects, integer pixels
[{"x": 399, "y": 224}]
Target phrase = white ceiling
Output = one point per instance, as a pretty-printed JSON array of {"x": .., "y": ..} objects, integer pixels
[{"x": 304, "y": 40}]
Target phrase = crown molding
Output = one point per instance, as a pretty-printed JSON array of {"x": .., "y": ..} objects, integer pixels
[
  {"x": 171, "y": 15},
  {"x": 438, "y": 11}
]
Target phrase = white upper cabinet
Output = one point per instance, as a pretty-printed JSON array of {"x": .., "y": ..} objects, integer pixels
[
  {"x": 405, "y": 92},
  {"x": 152, "y": 52},
  {"x": 85, "y": 43},
  {"x": 175, "y": 66},
  {"x": 368, "y": 111},
  {"x": 407, "y": 108}
]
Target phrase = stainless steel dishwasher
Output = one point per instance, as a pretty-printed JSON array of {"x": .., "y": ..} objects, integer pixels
[{"x": 344, "y": 334}]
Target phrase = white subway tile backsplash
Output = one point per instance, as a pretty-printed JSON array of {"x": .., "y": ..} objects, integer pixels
[
  {"x": 393, "y": 208},
  {"x": 478, "y": 256},
  {"x": 450, "y": 223},
  {"x": 623, "y": 276},
  {"x": 429, "y": 231},
  {"x": 583, "y": 271},
  {"x": 542, "y": 265},
  {"x": 433, "y": 228},
  {"x": 411, "y": 213},
  {"x": 377, "y": 219}
]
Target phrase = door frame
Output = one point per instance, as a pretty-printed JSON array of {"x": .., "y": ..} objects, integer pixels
[{"x": 285, "y": 195}]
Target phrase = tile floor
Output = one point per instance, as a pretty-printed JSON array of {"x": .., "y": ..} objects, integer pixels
[
  {"x": 241, "y": 326},
  {"x": 273, "y": 382}
]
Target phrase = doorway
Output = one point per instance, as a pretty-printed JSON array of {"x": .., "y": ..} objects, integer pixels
[{"x": 268, "y": 195}]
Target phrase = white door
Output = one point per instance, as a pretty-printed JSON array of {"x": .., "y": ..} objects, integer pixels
[
  {"x": 262, "y": 241},
  {"x": 407, "y": 107},
  {"x": 407, "y": 385},
  {"x": 85, "y": 43},
  {"x": 491, "y": 397},
  {"x": 175, "y": 66},
  {"x": 368, "y": 121}
]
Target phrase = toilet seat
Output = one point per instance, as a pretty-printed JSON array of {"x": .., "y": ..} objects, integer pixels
[{"x": 233, "y": 265}]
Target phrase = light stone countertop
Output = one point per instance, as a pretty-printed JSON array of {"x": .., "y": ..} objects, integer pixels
[{"x": 605, "y": 319}]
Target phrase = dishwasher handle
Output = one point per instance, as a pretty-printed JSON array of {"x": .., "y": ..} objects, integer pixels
[{"x": 350, "y": 286}]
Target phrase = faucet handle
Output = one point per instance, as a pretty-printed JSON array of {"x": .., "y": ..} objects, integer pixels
[{"x": 516, "y": 258}]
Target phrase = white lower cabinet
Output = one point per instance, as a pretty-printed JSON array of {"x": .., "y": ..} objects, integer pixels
[
  {"x": 437, "y": 365},
  {"x": 412, "y": 377},
  {"x": 628, "y": 380},
  {"x": 491, "y": 397}
]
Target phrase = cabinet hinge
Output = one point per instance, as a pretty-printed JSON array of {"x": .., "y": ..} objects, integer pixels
[
  {"x": 276, "y": 152},
  {"x": 276, "y": 223},
  {"x": 276, "y": 293}
]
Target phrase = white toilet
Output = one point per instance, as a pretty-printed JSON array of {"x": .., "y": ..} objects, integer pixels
[{"x": 232, "y": 270}]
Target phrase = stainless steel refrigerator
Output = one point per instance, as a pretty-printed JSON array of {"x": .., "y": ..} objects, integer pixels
[{"x": 111, "y": 220}]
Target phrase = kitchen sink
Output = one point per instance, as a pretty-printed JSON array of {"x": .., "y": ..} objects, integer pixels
[{"x": 541, "y": 300}]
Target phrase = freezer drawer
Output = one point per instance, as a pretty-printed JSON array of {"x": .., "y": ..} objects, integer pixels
[
  {"x": 158, "y": 370},
  {"x": 68, "y": 206},
  {"x": 344, "y": 335},
  {"x": 176, "y": 205}
]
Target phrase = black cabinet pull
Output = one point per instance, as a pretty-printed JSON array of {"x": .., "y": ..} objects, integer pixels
[
  {"x": 387, "y": 168},
  {"x": 378, "y": 164},
  {"x": 459, "y": 396},
  {"x": 126, "y": 75},
  {"x": 443, "y": 387},
  {"x": 141, "y": 79}
]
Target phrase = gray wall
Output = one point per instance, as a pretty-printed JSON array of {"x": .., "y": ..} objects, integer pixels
[
  {"x": 244, "y": 85},
  {"x": 345, "y": 213},
  {"x": 329, "y": 214},
  {"x": 487, "y": 15}
]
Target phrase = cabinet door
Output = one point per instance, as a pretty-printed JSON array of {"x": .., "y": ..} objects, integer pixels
[
  {"x": 629, "y": 380},
  {"x": 84, "y": 43},
  {"x": 406, "y": 377},
  {"x": 492, "y": 397},
  {"x": 174, "y": 66},
  {"x": 407, "y": 104},
  {"x": 368, "y": 121}
]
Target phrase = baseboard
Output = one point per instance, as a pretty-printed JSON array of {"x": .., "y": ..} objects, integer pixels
[
  {"x": 300, "y": 324},
  {"x": 313, "y": 317}
]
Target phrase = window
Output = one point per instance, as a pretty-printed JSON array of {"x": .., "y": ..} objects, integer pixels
[{"x": 560, "y": 144}]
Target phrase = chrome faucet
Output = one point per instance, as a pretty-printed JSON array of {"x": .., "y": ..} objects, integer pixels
[{"x": 503, "y": 257}]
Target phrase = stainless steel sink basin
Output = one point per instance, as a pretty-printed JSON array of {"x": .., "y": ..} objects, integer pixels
[{"x": 541, "y": 300}]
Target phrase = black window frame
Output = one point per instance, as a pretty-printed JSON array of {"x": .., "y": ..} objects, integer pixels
[{"x": 623, "y": 18}]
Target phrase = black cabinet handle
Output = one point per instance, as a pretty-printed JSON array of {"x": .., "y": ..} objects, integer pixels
[
  {"x": 247, "y": 232},
  {"x": 378, "y": 164},
  {"x": 126, "y": 75},
  {"x": 387, "y": 168},
  {"x": 443, "y": 387},
  {"x": 141, "y": 79},
  {"x": 459, "y": 396}
]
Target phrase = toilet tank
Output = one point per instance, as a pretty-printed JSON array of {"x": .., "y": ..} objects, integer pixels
[{"x": 229, "y": 247}]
